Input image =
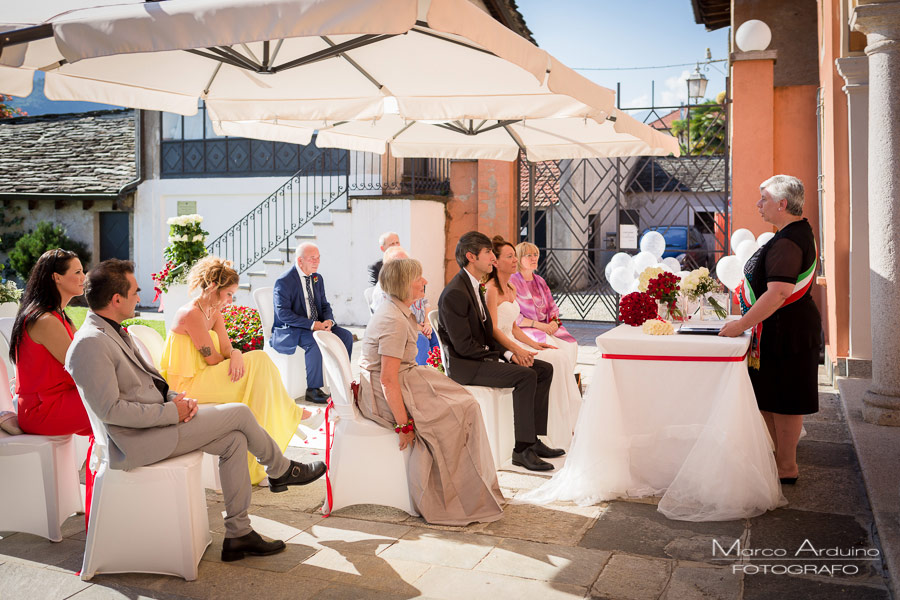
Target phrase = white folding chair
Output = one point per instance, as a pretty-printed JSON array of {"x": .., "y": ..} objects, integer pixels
[
  {"x": 152, "y": 341},
  {"x": 367, "y": 294},
  {"x": 151, "y": 519},
  {"x": 366, "y": 466},
  {"x": 211, "y": 479},
  {"x": 291, "y": 366},
  {"x": 6, "y": 327},
  {"x": 7, "y": 364},
  {"x": 496, "y": 406}
]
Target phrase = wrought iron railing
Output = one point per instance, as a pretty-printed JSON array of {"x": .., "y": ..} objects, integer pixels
[
  {"x": 317, "y": 186},
  {"x": 389, "y": 176}
]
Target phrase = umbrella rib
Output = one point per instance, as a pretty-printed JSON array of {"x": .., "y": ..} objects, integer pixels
[
  {"x": 221, "y": 59},
  {"x": 452, "y": 127},
  {"x": 212, "y": 77},
  {"x": 363, "y": 40},
  {"x": 353, "y": 63},
  {"x": 497, "y": 125},
  {"x": 405, "y": 127},
  {"x": 25, "y": 35},
  {"x": 238, "y": 57},
  {"x": 446, "y": 39},
  {"x": 516, "y": 139}
]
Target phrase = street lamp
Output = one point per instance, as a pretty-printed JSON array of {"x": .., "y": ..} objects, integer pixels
[{"x": 696, "y": 84}]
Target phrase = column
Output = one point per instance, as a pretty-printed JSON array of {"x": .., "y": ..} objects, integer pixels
[
  {"x": 855, "y": 71},
  {"x": 881, "y": 23}
]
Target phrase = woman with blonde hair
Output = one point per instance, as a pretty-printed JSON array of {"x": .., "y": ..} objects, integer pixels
[
  {"x": 200, "y": 361},
  {"x": 452, "y": 480},
  {"x": 539, "y": 317}
]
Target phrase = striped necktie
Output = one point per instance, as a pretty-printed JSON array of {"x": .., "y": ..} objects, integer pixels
[{"x": 313, "y": 313}]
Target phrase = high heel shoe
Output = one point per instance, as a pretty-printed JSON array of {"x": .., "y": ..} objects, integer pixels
[{"x": 788, "y": 480}]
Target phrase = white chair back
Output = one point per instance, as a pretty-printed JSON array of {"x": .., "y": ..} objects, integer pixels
[
  {"x": 264, "y": 298},
  {"x": 6, "y": 383},
  {"x": 367, "y": 293},
  {"x": 445, "y": 358},
  {"x": 100, "y": 451},
  {"x": 153, "y": 342},
  {"x": 337, "y": 373},
  {"x": 6, "y": 327}
]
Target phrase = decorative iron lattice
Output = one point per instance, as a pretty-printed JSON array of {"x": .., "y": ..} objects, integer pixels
[{"x": 581, "y": 212}]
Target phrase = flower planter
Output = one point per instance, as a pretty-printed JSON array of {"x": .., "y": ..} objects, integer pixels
[
  {"x": 172, "y": 299},
  {"x": 9, "y": 309}
]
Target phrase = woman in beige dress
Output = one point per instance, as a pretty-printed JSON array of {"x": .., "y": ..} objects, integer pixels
[{"x": 452, "y": 478}]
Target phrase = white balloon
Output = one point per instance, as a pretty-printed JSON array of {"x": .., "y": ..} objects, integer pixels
[
  {"x": 619, "y": 259},
  {"x": 621, "y": 279},
  {"x": 745, "y": 250},
  {"x": 644, "y": 260},
  {"x": 729, "y": 271},
  {"x": 764, "y": 238},
  {"x": 683, "y": 274},
  {"x": 671, "y": 264},
  {"x": 654, "y": 243},
  {"x": 739, "y": 236}
]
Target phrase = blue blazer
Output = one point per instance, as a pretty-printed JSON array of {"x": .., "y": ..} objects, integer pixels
[{"x": 290, "y": 310}]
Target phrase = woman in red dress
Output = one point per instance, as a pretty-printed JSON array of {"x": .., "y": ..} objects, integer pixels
[{"x": 49, "y": 403}]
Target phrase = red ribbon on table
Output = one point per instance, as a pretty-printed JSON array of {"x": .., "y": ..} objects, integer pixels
[{"x": 675, "y": 358}]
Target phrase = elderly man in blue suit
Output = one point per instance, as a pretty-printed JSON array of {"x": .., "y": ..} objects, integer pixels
[{"x": 300, "y": 309}]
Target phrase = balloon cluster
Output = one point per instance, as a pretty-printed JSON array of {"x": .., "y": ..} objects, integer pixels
[
  {"x": 730, "y": 269},
  {"x": 623, "y": 270}
]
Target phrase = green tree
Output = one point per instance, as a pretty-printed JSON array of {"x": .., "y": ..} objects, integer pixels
[
  {"x": 6, "y": 111},
  {"x": 707, "y": 131},
  {"x": 46, "y": 236}
]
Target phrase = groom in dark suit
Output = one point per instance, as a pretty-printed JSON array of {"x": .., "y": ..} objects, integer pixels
[
  {"x": 301, "y": 308},
  {"x": 475, "y": 358}
]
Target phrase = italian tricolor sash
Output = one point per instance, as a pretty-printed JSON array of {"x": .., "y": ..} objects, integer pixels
[{"x": 748, "y": 299}]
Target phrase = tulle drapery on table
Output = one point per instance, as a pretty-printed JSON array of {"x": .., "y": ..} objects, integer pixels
[{"x": 686, "y": 429}]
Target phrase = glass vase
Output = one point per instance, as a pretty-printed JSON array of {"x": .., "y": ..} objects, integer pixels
[
  {"x": 690, "y": 307},
  {"x": 708, "y": 307},
  {"x": 669, "y": 310}
]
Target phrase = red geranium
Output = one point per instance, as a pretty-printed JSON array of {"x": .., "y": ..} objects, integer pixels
[
  {"x": 244, "y": 327},
  {"x": 637, "y": 307}
]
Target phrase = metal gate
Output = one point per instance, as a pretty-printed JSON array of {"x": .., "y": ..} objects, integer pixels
[{"x": 579, "y": 213}]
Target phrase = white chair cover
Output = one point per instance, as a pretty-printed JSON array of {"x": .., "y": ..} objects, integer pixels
[
  {"x": 151, "y": 519},
  {"x": 40, "y": 488},
  {"x": 6, "y": 327},
  {"x": 496, "y": 407},
  {"x": 291, "y": 366},
  {"x": 367, "y": 294},
  {"x": 153, "y": 342},
  {"x": 8, "y": 384},
  {"x": 365, "y": 465}
]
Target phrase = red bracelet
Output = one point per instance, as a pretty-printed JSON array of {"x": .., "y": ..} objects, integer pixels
[{"x": 408, "y": 427}]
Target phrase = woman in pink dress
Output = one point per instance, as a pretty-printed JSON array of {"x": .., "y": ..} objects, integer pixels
[{"x": 539, "y": 317}]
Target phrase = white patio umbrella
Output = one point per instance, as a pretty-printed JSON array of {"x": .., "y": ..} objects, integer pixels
[
  {"x": 290, "y": 59},
  {"x": 541, "y": 139}
]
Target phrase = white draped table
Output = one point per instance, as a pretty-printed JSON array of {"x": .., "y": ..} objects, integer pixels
[{"x": 673, "y": 416}]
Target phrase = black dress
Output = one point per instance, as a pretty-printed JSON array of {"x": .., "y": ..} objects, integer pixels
[{"x": 787, "y": 379}]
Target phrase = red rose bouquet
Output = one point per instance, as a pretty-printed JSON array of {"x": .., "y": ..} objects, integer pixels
[
  {"x": 637, "y": 307},
  {"x": 434, "y": 359},
  {"x": 243, "y": 327},
  {"x": 664, "y": 288}
]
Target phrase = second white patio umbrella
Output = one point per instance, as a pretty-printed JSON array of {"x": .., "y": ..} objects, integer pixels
[
  {"x": 541, "y": 139},
  {"x": 295, "y": 59}
]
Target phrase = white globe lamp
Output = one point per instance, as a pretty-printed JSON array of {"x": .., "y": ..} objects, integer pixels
[{"x": 753, "y": 35}]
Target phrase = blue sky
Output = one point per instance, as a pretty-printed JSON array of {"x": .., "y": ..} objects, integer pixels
[{"x": 629, "y": 33}]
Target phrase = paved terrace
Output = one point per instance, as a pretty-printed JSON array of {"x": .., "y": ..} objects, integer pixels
[{"x": 618, "y": 550}]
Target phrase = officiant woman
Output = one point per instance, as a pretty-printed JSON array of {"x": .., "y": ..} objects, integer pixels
[{"x": 786, "y": 327}]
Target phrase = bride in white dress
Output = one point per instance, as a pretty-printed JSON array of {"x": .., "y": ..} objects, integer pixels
[{"x": 565, "y": 399}]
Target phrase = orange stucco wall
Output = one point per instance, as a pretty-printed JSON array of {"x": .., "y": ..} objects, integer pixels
[
  {"x": 795, "y": 152},
  {"x": 483, "y": 197},
  {"x": 752, "y": 139},
  {"x": 836, "y": 185}
]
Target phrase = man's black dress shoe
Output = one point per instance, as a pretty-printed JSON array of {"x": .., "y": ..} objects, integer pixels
[
  {"x": 316, "y": 396},
  {"x": 528, "y": 459},
  {"x": 252, "y": 544},
  {"x": 297, "y": 474},
  {"x": 788, "y": 480},
  {"x": 544, "y": 451}
]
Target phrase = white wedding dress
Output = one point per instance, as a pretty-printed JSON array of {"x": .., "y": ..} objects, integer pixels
[{"x": 565, "y": 399}]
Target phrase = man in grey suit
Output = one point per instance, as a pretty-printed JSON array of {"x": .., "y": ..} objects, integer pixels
[{"x": 147, "y": 422}]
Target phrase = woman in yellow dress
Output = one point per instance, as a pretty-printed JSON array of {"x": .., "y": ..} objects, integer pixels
[{"x": 200, "y": 361}]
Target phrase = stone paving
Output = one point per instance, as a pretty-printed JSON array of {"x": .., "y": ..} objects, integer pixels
[{"x": 620, "y": 550}]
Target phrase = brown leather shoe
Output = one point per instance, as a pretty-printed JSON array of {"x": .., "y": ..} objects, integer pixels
[
  {"x": 252, "y": 544},
  {"x": 297, "y": 474}
]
